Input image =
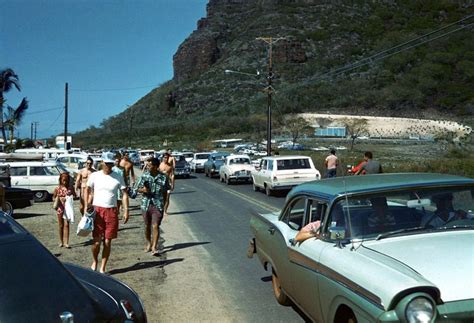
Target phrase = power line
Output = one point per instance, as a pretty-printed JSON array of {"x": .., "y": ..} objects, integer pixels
[
  {"x": 46, "y": 110},
  {"x": 394, "y": 50}
]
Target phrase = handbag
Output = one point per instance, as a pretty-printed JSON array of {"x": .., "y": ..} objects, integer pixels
[{"x": 86, "y": 225}]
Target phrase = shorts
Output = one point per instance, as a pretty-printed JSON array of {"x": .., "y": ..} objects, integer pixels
[
  {"x": 152, "y": 215},
  {"x": 106, "y": 223}
]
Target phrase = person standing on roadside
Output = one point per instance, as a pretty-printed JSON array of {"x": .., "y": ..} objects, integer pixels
[
  {"x": 129, "y": 173},
  {"x": 166, "y": 168},
  {"x": 61, "y": 192},
  {"x": 171, "y": 159},
  {"x": 81, "y": 181},
  {"x": 102, "y": 188},
  {"x": 154, "y": 186},
  {"x": 370, "y": 166},
  {"x": 121, "y": 172},
  {"x": 331, "y": 164}
]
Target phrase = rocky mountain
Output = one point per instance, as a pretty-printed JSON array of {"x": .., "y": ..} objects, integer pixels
[{"x": 408, "y": 58}]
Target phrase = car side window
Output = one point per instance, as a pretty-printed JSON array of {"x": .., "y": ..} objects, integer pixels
[
  {"x": 270, "y": 165},
  {"x": 18, "y": 171},
  {"x": 317, "y": 211},
  {"x": 37, "y": 171},
  {"x": 294, "y": 215}
]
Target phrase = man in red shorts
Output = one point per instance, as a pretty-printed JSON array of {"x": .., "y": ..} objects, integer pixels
[{"x": 102, "y": 189}]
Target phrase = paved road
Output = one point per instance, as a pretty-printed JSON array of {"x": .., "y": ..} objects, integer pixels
[{"x": 203, "y": 273}]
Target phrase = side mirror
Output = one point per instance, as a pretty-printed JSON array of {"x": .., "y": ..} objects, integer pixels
[{"x": 337, "y": 233}]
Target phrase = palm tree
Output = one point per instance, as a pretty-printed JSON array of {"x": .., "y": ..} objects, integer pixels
[
  {"x": 8, "y": 79},
  {"x": 13, "y": 117}
]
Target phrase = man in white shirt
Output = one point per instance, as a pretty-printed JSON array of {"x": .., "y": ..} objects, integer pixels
[{"x": 102, "y": 189}]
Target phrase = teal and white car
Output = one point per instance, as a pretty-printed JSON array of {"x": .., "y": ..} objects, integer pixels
[{"x": 390, "y": 248}]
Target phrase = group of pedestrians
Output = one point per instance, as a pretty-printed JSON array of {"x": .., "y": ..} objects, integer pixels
[
  {"x": 105, "y": 193},
  {"x": 367, "y": 166}
]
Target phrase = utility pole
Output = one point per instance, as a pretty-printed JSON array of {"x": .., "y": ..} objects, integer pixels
[
  {"x": 31, "y": 135},
  {"x": 269, "y": 89},
  {"x": 36, "y": 128},
  {"x": 65, "y": 115}
]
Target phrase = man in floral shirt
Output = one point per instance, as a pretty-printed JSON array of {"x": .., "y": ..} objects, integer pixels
[{"x": 153, "y": 185}]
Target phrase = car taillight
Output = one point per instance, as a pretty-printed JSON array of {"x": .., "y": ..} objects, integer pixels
[{"x": 128, "y": 309}]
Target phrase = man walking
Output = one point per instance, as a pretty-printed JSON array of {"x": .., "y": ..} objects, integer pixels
[
  {"x": 167, "y": 168},
  {"x": 102, "y": 188},
  {"x": 331, "y": 163},
  {"x": 154, "y": 186},
  {"x": 81, "y": 181},
  {"x": 369, "y": 166},
  {"x": 129, "y": 173}
]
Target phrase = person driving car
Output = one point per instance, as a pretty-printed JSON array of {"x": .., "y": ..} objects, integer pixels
[{"x": 444, "y": 211}]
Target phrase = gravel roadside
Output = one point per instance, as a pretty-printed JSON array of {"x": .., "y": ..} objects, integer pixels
[{"x": 172, "y": 285}]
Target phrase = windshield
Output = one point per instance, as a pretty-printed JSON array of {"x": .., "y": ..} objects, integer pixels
[
  {"x": 370, "y": 216},
  {"x": 8, "y": 227},
  {"x": 202, "y": 156}
]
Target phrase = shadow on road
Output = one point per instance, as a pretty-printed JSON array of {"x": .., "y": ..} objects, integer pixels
[
  {"x": 17, "y": 216},
  {"x": 128, "y": 228},
  {"x": 295, "y": 308},
  {"x": 145, "y": 265},
  {"x": 178, "y": 246},
  {"x": 184, "y": 212}
]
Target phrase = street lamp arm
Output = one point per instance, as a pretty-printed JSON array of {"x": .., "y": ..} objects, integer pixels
[{"x": 243, "y": 73}]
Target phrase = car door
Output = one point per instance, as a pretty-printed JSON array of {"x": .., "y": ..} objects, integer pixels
[
  {"x": 304, "y": 263},
  {"x": 19, "y": 176},
  {"x": 44, "y": 178},
  {"x": 258, "y": 178}
]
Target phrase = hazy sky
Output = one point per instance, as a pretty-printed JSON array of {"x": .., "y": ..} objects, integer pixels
[{"x": 111, "y": 53}]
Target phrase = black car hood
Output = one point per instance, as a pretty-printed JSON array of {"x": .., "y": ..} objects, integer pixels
[{"x": 36, "y": 287}]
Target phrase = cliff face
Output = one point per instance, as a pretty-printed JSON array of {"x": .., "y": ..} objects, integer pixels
[{"x": 205, "y": 46}]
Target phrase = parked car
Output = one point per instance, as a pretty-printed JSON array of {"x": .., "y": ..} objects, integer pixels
[
  {"x": 134, "y": 159},
  {"x": 18, "y": 198},
  {"x": 144, "y": 154},
  {"x": 40, "y": 177},
  {"x": 182, "y": 167},
  {"x": 385, "y": 252},
  {"x": 214, "y": 162},
  {"x": 236, "y": 168},
  {"x": 197, "y": 163},
  {"x": 59, "y": 291},
  {"x": 283, "y": 173},
  {"x": 72, "y": 162},
  {"x": 189, "y": 155}
]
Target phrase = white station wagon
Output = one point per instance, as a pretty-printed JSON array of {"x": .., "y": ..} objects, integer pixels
[
  {"x": 283, "y": 173},
  {"x": 40, "y": 177}
]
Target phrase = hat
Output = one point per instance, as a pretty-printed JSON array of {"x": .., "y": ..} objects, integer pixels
[{"x": 108, "y": 160}]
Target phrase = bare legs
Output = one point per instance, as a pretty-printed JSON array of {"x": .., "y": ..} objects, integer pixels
[
  {"x": 105, "y": 254},
  {"x": 63, "y": 229},
  {"x": 152, "y": 234}
]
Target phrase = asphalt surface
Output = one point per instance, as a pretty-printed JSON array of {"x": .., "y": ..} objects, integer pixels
[{"x": 203, "y": 273}]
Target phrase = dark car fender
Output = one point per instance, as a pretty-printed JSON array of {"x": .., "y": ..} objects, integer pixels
[{"x": 114, "y": 287}]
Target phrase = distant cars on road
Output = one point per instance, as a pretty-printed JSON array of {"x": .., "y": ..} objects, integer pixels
[
  {"x": 283, "y": 173},
  {"x": 236, "y": 168},
  {"x": 389, "y": 248},
  {"x": 214, "y": 163},
  {"x": 197, "y": 163},
  {"x": 182, "y": 168}
]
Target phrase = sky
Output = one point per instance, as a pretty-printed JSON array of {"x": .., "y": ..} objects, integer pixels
[{"x": 110, "y": 52}]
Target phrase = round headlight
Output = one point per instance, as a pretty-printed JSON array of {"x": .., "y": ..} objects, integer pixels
[{"x": 419, "y": 310}]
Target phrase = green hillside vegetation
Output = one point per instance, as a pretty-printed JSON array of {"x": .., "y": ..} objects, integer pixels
[{"x": 429, "y": 80}]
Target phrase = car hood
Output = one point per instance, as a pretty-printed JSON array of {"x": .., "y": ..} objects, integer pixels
[
  {"x": 36, "y": 286},
  {"x": 443, "y": 259}
]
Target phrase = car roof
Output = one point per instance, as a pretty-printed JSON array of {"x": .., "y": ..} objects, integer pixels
[
  {"x": 285, "y": 157},
  {"x": 31, "y": 163},
  {"x": 333, "y": 187},
  {"x": 238, "y": 156}
]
